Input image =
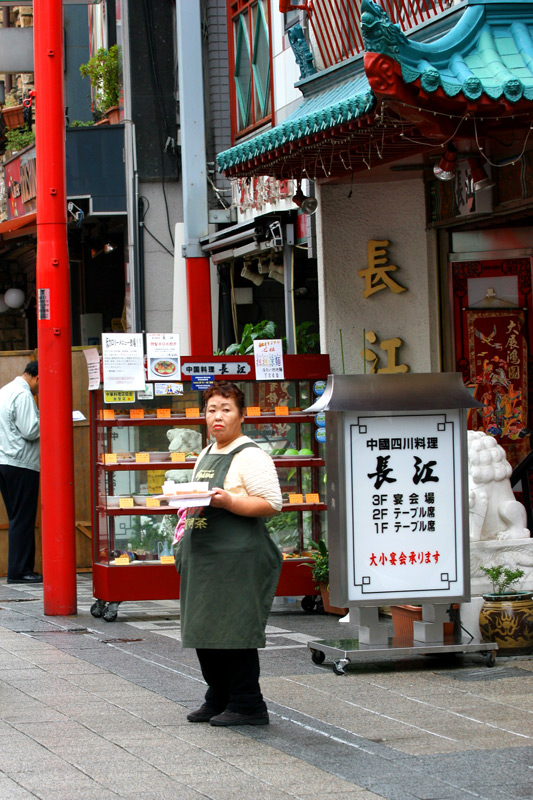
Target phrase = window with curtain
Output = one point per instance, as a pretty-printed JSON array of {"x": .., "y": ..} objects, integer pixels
[{"x": 251, "y": 64}]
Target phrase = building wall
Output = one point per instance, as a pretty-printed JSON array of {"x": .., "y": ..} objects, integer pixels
[
  {"x": 285, "y": 69},
  {"x": 158, "y": 262},
  {"x": 396, "y": 212}
]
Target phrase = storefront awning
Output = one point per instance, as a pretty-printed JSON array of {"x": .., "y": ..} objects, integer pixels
[
  {"x": 343, "y": 104},
  {"x": 10, "y": 225},
  {"x": 454, "y": 85}
]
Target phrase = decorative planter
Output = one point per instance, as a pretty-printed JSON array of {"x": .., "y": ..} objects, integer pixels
[
  {"x": 403, "y": 618},
  {"x": 507, "y": 619},
  {"x": 13, "y": 116},
  {"x": 329, "y": 609},
  {"x": 113, "y": 115}
]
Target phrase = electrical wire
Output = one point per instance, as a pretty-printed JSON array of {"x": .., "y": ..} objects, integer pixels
[{"x": 144, "y": 200}]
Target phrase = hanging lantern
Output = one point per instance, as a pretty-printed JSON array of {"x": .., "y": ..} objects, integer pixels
[{"x": 14, "y": 298}]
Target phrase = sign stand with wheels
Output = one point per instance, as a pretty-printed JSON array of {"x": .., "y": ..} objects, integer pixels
[{"x": 396, "y": 458}]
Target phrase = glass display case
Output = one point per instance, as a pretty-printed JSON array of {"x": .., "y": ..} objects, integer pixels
[{"x": 141, "y": 439}]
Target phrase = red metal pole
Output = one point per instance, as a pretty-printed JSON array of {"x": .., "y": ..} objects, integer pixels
[{"x": 53, "y": 326}]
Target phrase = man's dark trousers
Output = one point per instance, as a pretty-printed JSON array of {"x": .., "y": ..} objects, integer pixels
[{"x": 20, "y": 490}]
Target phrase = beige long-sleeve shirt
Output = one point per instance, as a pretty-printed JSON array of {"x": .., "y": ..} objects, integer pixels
[{"x": 252, "y": 472}]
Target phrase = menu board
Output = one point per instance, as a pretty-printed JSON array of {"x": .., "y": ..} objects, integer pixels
[
  {"x": 403, "y": 506},
  {"x": 123, "y": 359},
  {"x": 268, "y": 357}
]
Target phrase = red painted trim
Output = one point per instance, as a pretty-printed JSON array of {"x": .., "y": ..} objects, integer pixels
[
  {"x": 199, "y": 296},
  {"x": 162, "y": 582}
]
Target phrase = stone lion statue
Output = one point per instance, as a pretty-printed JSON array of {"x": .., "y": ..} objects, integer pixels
[
  {"x": 494, "y": 511},
  {"x": 183, "y": 440}
]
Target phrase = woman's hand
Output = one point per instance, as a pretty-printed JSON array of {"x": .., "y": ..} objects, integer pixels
[
  {"x": 245, "y": 506},
  {"x": 222, "y": 499}
]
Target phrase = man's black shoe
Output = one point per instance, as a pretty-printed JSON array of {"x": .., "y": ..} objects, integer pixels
[
  {"x": 32, "y": 577},
  {"x": 232, "y": 718},
  {"x": 202, "y": 714}
]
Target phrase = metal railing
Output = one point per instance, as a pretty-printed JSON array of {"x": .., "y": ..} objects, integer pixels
[{"x": 335, "y": 25}]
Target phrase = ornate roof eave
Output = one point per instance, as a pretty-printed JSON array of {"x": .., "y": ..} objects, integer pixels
[{"x": 409, "y": 91}]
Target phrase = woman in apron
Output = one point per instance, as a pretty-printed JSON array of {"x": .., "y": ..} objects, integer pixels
[{"x": 229, "y": 566}]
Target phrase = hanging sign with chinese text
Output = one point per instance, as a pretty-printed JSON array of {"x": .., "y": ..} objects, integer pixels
[
  {"x": 403, "y": 509},
  {"x": 268, "y": 358}
]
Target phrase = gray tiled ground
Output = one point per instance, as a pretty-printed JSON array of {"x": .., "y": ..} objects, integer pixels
[{"x": 91, "y": 710}]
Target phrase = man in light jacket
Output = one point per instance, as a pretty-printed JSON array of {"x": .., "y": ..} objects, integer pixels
[{"x": 19, "y": 471}]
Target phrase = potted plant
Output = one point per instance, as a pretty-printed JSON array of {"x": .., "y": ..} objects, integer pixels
[
  {"x": 103, "y": 71},
  {"x": 320, "y": 572},
  {"x": 506, "y": 616},
  {"x": 13, "y": 111}
]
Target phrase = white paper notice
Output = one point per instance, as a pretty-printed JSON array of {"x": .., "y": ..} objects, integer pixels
[
  {"x": 268, "y": 356},
  {"x": 163, "y": 354},
  {"x": 92, "y": 358},
  {"x": 123, "y": 361}
]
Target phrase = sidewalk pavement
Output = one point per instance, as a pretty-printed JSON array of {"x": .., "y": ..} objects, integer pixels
[{"x": 91, "y": 710}]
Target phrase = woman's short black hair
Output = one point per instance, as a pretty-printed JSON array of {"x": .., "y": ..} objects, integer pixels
[
  {"x": 32, "y": 369},
  {"x": 225, "y": 389}
]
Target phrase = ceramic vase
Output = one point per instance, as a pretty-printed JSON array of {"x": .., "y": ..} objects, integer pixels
[{"x": 507, "y": 619}]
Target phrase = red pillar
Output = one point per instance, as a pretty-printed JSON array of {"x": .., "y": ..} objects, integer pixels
[
  {"x": 199, "y": 296},
  {"x": 53, "y": 306}
]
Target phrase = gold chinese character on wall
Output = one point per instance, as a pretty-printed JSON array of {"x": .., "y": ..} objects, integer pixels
[
  {"x": 376, "y": 274},
  {"x": 391, "y": 347}
]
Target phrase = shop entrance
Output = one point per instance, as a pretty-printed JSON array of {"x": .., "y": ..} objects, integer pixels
[{"x": 492, "y": 331}]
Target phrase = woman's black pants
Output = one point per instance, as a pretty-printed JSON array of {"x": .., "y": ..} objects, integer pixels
[{"x": 232, "y": 677}]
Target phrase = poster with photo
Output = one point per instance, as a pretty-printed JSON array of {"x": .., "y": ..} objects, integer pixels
[{"x": 163, "y": 355}]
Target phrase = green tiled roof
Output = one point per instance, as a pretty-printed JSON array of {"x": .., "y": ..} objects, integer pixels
[
  {"x": 489, "y": 51},
  {"x": 320, "y": 112}
]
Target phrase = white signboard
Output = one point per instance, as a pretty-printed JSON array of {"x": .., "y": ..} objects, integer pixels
[
  {"x": 92, "y": 358},
  {"x": 123, "y": 359},
  {"x": 221, "y": 369},
  {"x": 163, "y": 354},
  {"x": 268, "y": 357},
  {"x": 403, "y": 506}
]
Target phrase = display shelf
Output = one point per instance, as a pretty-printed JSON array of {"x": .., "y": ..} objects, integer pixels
[
  {"x": 181, "y": 419},
  {"x": 280, "y": 463},
  {"x": 144, "y": 530},
  {"x": 143, "y": 511}
]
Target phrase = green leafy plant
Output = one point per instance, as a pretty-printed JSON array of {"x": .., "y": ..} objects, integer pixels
[
  {"x": 306, "y": 340},
  {"x": 262, "y": 330},
  {"x": 78, "y": 123},
  {"x": 12, "y": 99},
  {"x": 18, "y": 139},
  {"x": 320, "y": 567},
  {"x": 502, "y": 578},
  {"x": 103, "y": 71}
]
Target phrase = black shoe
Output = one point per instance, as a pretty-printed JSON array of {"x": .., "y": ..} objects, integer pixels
[
  {"x": 232, "y": 718},
  {"x": 202, "y": 714},
  {"x": 31, "y": 577}
]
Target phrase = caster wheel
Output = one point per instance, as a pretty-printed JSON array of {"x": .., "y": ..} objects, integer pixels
[
  {"x": 97, "y": 608},
  {"x": 490, "y": 658},
  {"x": 308, "y": 603},
  {"x": 110, "y": 614},
  {"x": 317, "y": 656},
  {"x": 337, "y": 668}
]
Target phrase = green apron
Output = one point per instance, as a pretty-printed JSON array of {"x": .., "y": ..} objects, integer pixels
[{"x": 229, "y": 569}]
